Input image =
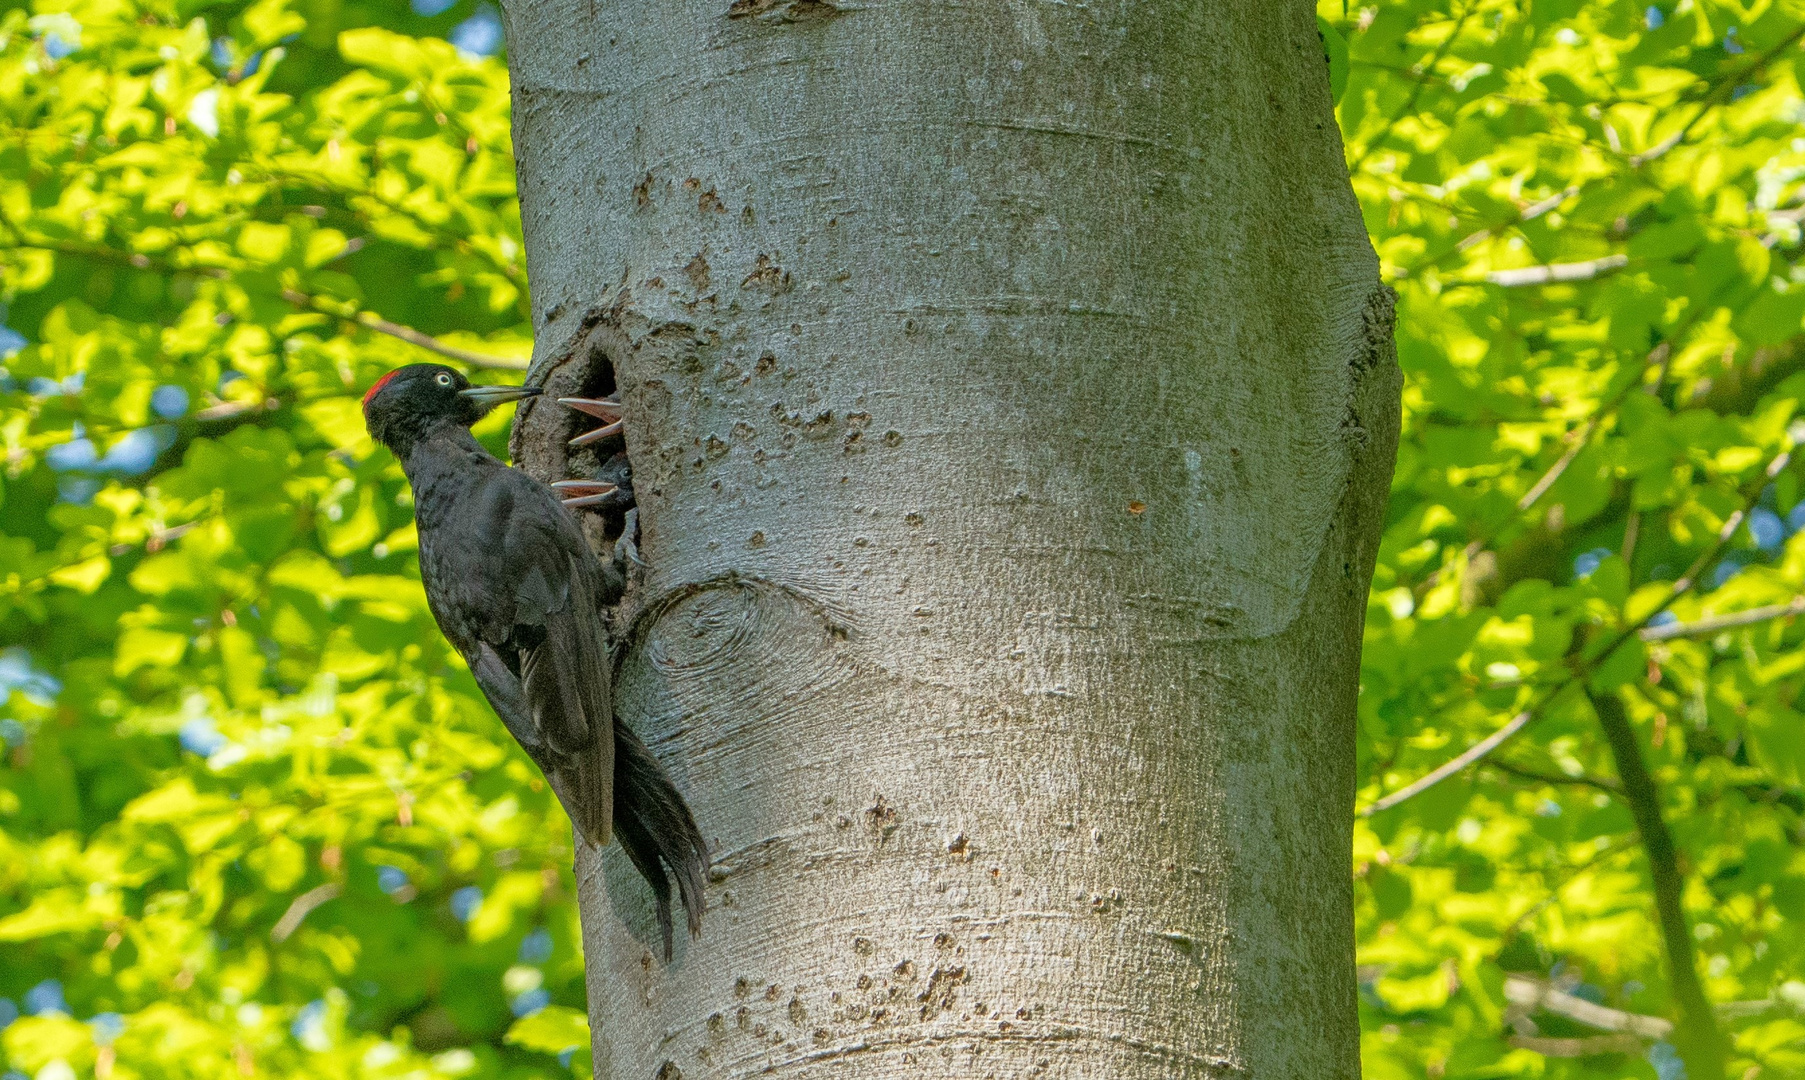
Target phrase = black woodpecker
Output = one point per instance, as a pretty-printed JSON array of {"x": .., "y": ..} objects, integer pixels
[{"x": 518, "y": 592}]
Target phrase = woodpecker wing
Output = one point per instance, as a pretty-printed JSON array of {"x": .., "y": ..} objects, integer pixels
[{"x": 513, "y": 577}]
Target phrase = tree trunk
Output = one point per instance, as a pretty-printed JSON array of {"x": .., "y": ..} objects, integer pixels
[{"x": 1011, "y": 404}]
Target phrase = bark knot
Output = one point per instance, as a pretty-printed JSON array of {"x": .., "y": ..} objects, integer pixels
[{"x": 1378, "y": 318}]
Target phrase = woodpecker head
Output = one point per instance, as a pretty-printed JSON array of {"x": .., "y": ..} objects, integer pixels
[{"x": 409, "y": 402}]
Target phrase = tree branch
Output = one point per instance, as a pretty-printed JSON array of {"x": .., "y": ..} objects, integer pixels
[
  {"x": 1473, "y": 753},
  {"x": 1580, "y": 670},
  {"x": 301, "y": 907},
  {"x": 1573, "y": 1048},
  {"x": 1725, "y": 84},
  {"x": 348, "y": 312},
  {"x": 1602, "y": 783},
  {"x": 1554, "y": 273},
  {"x": 1571, "y": 874},
  {"x": 1530, "y": 994},
  {"x": 1713, "y": 624},
  {"x": 1697, "y": 1036},
  {"x": 370, "y": 321},
  {"x": 1721, "y": 89}
]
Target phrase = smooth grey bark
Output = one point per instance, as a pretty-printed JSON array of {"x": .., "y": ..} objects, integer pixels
[{"x": 1012, "y": 404}]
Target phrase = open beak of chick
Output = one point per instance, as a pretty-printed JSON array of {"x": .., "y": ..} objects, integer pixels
[
  {"x": 584, "y": 492},
  {"x": 600, "y": 408}
]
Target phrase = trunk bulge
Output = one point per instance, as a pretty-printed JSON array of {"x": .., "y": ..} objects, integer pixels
[{"x": 1011, "y": 406}]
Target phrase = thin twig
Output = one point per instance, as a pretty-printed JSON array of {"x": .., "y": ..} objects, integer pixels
[
  {"x": 350, "y": 313},
  {"x": 1554, "y": 273},
  {"x": 1572, "y": 874},
  {"x": 301, "y": 907},
  {"x": 156, "y": 541},
  {"x": 1602, "y": 783},
  {"x": 1528, "y": 213},
  {"x": 1720, "y": 89},
  {"x": 1690, "y": 578},
  {"x": 1540, "y": 488},
  {"x": 1591, "y": 427},
  {"x": 1427, "y": 67},
  {"x": 1473, "y": 753},
  {"x": 371, "y": 321},
  {"x": 1715, "y": 623}
]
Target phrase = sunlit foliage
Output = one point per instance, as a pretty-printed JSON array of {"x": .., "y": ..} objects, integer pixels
[
  {"x": 1591, "y": 212},
  {"x": 255, "y": 819}
]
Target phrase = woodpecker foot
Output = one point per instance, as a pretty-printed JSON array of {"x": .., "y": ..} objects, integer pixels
[
  {"x": 626, "y": 549},
  {"x": 580, "y": 493},
  {"x": 600, "y": 408}
]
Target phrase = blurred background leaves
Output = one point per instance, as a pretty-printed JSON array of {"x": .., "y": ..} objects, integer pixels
[
  {"x": 1591, "y": 212},
  {"x": 256, "y": 820},
  {"x": 254, "y": 816}
]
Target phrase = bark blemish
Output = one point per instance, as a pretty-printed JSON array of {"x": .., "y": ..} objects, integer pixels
[
  {"x": 882, "y": 819},
  {"x": 767, "y": 275},
  {"x": 856, "y": 423},
  {"x": 783, "y": 11},
  {"x": 697, "y": 272},
  {"x": 941, "y": 992}
]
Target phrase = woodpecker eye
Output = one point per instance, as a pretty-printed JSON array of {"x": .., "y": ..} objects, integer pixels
[{"x": 444, "y": 379}]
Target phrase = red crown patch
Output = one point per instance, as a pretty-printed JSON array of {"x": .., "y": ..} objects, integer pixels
[{"x": 380, "y": 383}]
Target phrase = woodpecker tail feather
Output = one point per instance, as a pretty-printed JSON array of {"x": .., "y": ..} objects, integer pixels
[
  {"x": 643, "y": 850},
  {"x": 654, "y": 825},
  {"x": 593, "y": 769}
]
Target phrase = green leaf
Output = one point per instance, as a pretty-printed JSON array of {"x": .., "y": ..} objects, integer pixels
[
  {"x": 1334, "y": 48},
  {"x": 552, "y": 1030}
]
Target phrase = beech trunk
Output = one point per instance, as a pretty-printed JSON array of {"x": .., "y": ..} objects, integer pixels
[{"x": 1011, "y": 402}]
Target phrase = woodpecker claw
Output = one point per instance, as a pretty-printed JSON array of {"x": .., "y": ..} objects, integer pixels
[
  {"x": 598, "y": 434},
  {"x": 624, "y": 548},
  {"x": 601, "y": 408}
]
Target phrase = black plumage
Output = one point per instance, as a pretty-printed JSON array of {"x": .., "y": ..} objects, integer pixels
[{"x": 520, "y": 595}]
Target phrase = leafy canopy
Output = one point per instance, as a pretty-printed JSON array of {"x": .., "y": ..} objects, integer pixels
[
  {"x": 254, "y": 816},
  {"x": 1591, "y": 213}
]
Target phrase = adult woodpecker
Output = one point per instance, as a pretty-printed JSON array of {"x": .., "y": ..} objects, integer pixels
[{"x": 517, "y": 591}]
